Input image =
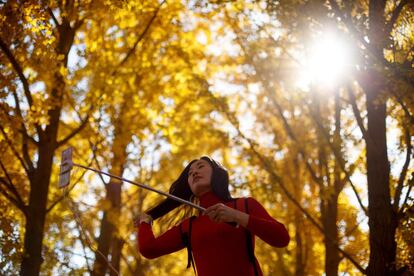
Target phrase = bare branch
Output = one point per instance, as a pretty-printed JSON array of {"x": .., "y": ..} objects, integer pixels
[
  {"x": 97, "y": 161},
  {"x": 10, "y": 184},
  {"x": 403, "y": 173},
  {"x": 25, "y": 136},
  {"x": 358, "y": 36},
  {"x": 141, "y": 36},
  {"x": 81, "y": 126},
  {"x": 78, "y": 24},
  {"x": 347, "y": 19},
  {"x": 87, "y": 239},
  {"x": 10, "y": 144},
  {"x": 291, "y": 134},
  {"x": 14, "y": 197},
  {"x": 18, "y": 70},
  {"x": 9, "y": 197},
  {"x": 23, "y": 79},
  {"x": 53, "y": 17},
  {"x": 407, "y": 195},
  {"x": 357, "y": 114},
  {"x": 340, "y": 161},
  {"x": 404, "y": 107}
]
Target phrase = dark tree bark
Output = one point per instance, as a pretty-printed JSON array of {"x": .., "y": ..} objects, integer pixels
[
  {"x": 330, "y": 190},
  {"x": 382, "y": 219},
  {"x": 332, "y": 258},
  {"x": 40, "y": 178},
  {"x": 299, "y": 252},
  {"x": 110, "y": 216},
  {"x": 122, "y": 137},
  {"x": 116, "y": 252},
  {"x": 329, "y": 223}
]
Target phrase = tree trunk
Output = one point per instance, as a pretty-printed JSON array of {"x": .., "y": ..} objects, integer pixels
[
  {"x": 36, "y": 215},
  {"x": 40, "y": 180},
  {"x": 331, "y": 236},
  {"x": 109, "y": 220},
  {"x": 329, "y": 192},
  {"x": 382, "y": 221},
  {"x": 299, "y": 255},
  {"x": 332, "y": 258},
  {"x": 122, "y": 137},
  {"x": 116, "y": 251}
]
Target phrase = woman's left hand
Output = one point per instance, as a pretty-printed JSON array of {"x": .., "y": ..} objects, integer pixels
[{"x": 222, "y": 213}]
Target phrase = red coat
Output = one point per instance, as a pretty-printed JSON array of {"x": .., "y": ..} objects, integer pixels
[{"x": 218, "y": 248}]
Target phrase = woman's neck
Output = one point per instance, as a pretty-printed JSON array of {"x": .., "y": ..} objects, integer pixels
[{"x": 208, "y": 199}]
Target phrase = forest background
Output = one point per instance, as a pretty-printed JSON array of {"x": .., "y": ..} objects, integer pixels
[{"x": 309, "y": 104}]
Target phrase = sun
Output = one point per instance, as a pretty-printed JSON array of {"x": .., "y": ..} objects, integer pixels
[{"x": 325, "y": 61}]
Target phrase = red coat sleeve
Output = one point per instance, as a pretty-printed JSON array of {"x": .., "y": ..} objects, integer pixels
[
  {"x": 151, "y": 247},
  {"x": 264, "y": 226}
]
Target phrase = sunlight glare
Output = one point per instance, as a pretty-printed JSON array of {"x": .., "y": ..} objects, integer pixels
[{"x": 325, "y": 62}]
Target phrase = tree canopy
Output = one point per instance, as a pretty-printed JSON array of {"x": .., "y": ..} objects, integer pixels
[{"x": 309, "y": 104}]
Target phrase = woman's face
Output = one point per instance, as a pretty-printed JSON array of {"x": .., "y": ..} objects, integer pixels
[{"x": 199, "y": 177}]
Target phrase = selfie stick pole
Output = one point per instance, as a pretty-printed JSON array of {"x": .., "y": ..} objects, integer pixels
[{"x": 67, "y": 165}]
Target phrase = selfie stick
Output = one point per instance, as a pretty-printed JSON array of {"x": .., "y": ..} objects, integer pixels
[{"x": 67, "y": 164}]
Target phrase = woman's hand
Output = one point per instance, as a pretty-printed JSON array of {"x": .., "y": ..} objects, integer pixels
[
  {"x": 143, "y": 218},
  {"x": 222, "y": 213}
]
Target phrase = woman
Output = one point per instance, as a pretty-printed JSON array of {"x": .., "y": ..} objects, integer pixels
[{"x": 221, "y": 240}]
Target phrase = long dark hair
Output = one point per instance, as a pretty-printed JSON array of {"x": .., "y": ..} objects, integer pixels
[{"x": 180, "y": 188}]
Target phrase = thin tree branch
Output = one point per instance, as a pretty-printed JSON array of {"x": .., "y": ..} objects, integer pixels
[
  {"x": 404, "y": 107},
  {"x": 289, "y": 131},
  {"x": 407, "y": 195},
  {"x": 88, "y": 240},
  {"x": 395, "y": 14},
  {"x": 78, "y": 24},
  {"x": 84, "y": 251},
  {"x": 403, "y": 173},
  {"x": 25, "y": 137},
  {"x": 15, "y": 201},
  {"x": 355, "y": 227},
  {"x": 10, "y": 184},
  {"x": 81, "y": 126},
  {"x": 141, "y": 36},
  {"x": 357, "y": 114},
  {"x": 340, "y": 161},
  {"x": 347, "y": 19},
  {"x": 53, "y": 17},
  {"x": 94, "y": 156},
  {"x": 18, "y": 70},
  {"x": 9, "y": 143},
  {"x": 22, "y": 78}
]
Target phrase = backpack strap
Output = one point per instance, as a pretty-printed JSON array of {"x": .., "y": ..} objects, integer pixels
[
  {"x": 249, "y": 242},
  {"x": 186, "y": 239}
]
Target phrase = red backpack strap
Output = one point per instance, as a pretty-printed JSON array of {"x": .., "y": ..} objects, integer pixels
[
  {"x": 249, "y": 241},
  {"x": 186, "y": 240}
]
